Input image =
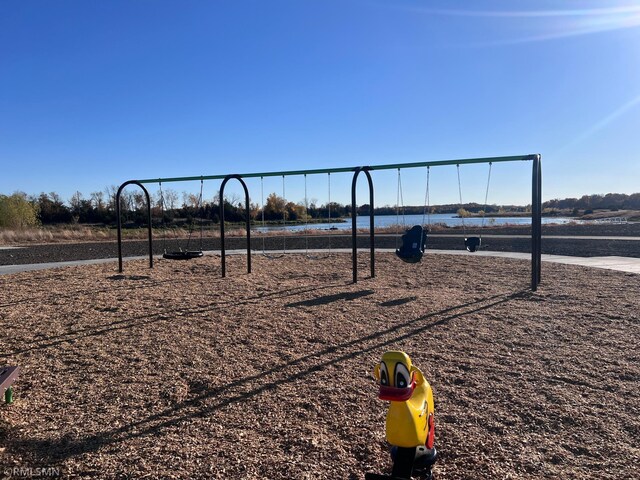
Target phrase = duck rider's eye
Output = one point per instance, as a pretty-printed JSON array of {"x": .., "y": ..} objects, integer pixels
[
  {"x": 402, "y": 376},
  {"x": 384, "y": 376}
]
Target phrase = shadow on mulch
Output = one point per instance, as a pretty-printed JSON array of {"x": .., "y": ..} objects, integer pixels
[
  {"x": 128, "y": 277},
  {"x": 168, "y": 314},
  {"x": 52, "y": 452},
  {"x": 399, "y": 301},
  {"x": 332, "y": 298}
]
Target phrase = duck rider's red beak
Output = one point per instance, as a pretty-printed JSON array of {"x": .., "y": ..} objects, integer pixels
[{"x": 395, "y": 394}]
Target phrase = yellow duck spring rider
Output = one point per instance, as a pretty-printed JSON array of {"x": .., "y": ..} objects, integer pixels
[{"x": 410, "y": 425}]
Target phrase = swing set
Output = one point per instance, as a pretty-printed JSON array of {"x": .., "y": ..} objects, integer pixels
[{"x": 414, "y": 240}]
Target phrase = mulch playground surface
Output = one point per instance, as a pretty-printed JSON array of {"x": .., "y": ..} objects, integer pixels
[{"x": 177, "y": 373}]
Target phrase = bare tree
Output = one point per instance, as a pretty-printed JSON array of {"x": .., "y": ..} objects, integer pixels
[
  {"x": 55, "y": 198},
  {"x": 110, "y": 193},
  {"x": 139, "y": 200},
  {"x": 234, "y": 199},
  {"x": 76, "y": 201},
  {"x": 97, "y": 200},
  {"x": 170, "y": 199},
  {"x": 157, "y": 200},
  {"x": 76, "y": 206},
  {"x": 190, "y": 200}
]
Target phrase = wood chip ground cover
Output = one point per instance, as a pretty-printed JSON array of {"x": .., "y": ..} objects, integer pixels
[{"x": 177, "y": 373}]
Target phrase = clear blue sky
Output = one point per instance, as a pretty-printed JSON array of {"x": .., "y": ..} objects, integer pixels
[{"x": 93, "y": 93}]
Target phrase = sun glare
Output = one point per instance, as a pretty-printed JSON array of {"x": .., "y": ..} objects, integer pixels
[
  {"x": 566, "y": 22},
  {"x": 624, "y": 108}
]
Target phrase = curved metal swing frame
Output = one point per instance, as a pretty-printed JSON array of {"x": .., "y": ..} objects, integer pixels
[
  {"x": 354, "y": 230},
  {"x": 248, "y": 223},
  {"x": 119, "y": 221}
]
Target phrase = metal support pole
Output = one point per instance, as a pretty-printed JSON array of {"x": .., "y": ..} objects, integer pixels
[
  {"x": 539, "y": 220},
  {"x": 535, "y": 215},
  {"x": 354, "y": 247},
  {"x": 119, "y": 222},
  {"x": 248, "y": 223}
]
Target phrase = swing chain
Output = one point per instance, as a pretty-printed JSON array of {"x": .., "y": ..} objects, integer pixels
[
  {"x": 197, "y": 209},
  {"x": 401, "y": 200},
  {"x": 464, "y": 230},
  {"x": 264, "y": 232},
  {"x": 329, "y": 204},
  {"x": 284, "y": 219},
  {"x": 329, "y": 208},
  {"x": 162, "y": 222},
  {"x": 486, "y": 197},
  {"x": 427, "y": 203},
  {"x": 306, "y": 218}
]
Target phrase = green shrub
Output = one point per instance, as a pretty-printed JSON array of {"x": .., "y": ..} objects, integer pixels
[{"x": 16, "y": 211}]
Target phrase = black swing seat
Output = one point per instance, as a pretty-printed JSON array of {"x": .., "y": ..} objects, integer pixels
[
  {"x": 472, "y": 243},
  {"x": 414, "y": 241},
  {"x": 182, "y": 254}
]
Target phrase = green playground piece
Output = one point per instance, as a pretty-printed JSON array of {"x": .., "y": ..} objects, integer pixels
[
  {"x": 8, "y": 375},
  {"x": 8, "y": 396}
]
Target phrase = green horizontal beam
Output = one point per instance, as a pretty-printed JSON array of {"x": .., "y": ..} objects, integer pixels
[
  {"x": 437, "y": 163},
  {"x": 466, "y": 161},
  {"x": 250, "y": 175}
]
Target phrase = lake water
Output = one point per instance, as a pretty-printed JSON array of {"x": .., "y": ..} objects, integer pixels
[{"x": 449, "y": 219}]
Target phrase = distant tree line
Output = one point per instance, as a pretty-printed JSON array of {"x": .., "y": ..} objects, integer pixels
[
  {"x": 449, "y": 208},
  {"x": 20, "y": 210},
  {"x": 610, "y": 201}
]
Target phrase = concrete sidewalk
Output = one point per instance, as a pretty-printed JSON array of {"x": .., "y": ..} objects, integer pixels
[
  {"x": 7, "y": 269},
  {"x": 621, "y": 264}
]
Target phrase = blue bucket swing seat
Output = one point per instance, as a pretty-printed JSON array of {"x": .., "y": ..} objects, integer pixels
[{"x": 414, "y": 241}]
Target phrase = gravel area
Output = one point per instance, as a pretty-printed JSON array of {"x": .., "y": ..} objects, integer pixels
[{"x": 177, "y": 373}]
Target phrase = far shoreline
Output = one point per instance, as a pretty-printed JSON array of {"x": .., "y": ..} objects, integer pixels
[{"x": 82, "y": 234}]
